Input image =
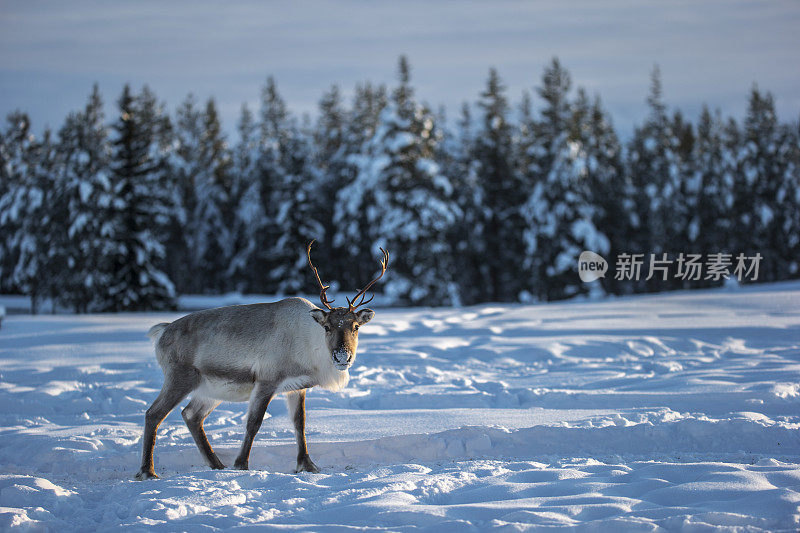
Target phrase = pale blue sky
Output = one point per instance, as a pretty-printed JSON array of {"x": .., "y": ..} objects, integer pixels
[{"x": 712, "y": 51}]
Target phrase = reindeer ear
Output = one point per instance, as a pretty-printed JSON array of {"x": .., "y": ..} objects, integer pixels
[
  {"x": 319, "y": 315},
  {"x": 364, "y": 316}
]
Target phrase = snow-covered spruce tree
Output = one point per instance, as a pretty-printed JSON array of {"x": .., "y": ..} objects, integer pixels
[
  {"x": 329, "y": 158},
  {"x": 467, "y": 235},
  {"x": 220, "y": 219},
  {"x": 26, "y": 218},
  {"x": 681, "y": 235},
  {"x": 245, "y": 196},
  {"x": 283, "y": 219},
  {"x": 405, "y": 200},
  {"x": 214, "y": 210},
  {"x": 16, "y": 143},
  {"x": 526, "y": 138},
  {"x": 354, "y": 258},
  {"x": 184, "y": 165},
  {"x": 40, "y": 266},
  {"x": 767, "y": 193},
  {"x": 298, "y": 216},
  {"x": 656, "y": 170},
  {"x": 503, "y": 192},
  {"x": 791, "y": 195},
  {"x": 142, "y": 207},
  {"x": 83, "y": 188},
  {"x": 732, "y": 140},
  {"x": 202, "y": 167},
  {"x": 364, "y": 116},
  {"x": 606, "y": 180},
  {"x": 335, "y": 139},
  {"x": 270, "y": 167},
  {"x": 5, "y": 285},
  {"x": 709, "y": 190},
  {"x": 559, "y": 214}
]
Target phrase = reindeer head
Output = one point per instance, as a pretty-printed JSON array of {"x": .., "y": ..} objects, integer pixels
[{"x": 341, "y": 323}]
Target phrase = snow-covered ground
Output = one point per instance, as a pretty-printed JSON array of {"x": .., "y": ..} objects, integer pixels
[{"x": 677, "y": 411}]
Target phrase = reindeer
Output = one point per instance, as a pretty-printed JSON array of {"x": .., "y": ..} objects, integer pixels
[{"x": 251, "y": 353}]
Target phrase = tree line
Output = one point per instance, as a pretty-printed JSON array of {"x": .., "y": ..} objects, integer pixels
[{"x": 496, "y": 206}]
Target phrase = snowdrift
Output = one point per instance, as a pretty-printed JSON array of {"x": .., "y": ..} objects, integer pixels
[{"x": 677, "y": 411}]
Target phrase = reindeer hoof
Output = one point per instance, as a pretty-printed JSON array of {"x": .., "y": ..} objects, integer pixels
[
  {"x": 306, "y": 465},
  {"x": 241, "y": 466},
  {"x": 143, "y": 474},
  {"x": 218, "y": 466}
]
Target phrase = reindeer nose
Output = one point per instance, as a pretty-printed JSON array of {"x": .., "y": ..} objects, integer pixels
[{"x": 342, "y": 356}]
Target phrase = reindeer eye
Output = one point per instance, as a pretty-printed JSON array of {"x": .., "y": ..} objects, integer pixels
[{"x": 355, "y": 327}]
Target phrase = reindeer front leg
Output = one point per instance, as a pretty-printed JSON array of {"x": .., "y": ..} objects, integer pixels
[
  {"x": 259, "y": 400},
  {"x": 297, "y": 410}
]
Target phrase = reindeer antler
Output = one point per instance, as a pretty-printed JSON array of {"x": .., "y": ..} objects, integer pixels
[
  {"x": 355, "y": 303},
  {"x": 322, "y": 296}
]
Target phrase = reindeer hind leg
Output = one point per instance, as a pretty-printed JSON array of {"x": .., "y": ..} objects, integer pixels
[
  {"x": 194, "y": 414},
  {"x": 178, "y": 383}
]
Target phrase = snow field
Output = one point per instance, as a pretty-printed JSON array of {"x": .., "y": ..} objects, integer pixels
[{"x": 675, "y": 411}]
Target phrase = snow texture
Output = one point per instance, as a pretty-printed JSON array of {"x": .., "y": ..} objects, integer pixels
[{"x": 674, "y": 411}]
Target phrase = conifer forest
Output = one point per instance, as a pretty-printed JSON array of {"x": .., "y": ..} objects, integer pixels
[{"x": 127, "y": 205}]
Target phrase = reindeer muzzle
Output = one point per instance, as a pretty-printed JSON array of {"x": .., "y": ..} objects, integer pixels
[{"x": 342, "y": 359}]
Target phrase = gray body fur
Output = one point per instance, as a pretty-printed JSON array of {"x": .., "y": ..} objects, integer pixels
[{"x": 249, "y": 353}]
